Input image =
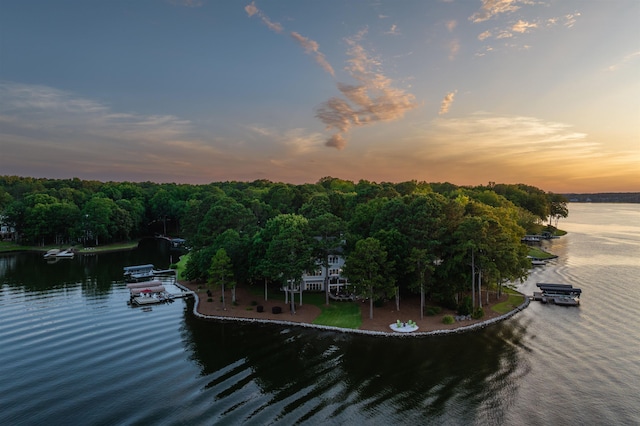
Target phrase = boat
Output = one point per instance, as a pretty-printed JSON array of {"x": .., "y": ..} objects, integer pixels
[
  {"x": 51, "y": 253},
  {"x": 531, "y": 239},
  {"x": 151, "y": 296},
  {"x": 60, "y": 254},
  {"x": 536, "y": 261},
  {"x": 68, "y": 253}
]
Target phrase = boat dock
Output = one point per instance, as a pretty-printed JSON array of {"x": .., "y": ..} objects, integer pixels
[
  {"x": 138, "y": 273},
  {"x": 558, "y": 294},
  {"x": 154, "y": 292}
]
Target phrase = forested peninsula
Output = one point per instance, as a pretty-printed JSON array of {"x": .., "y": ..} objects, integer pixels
[{"x": 408, "y": 237}]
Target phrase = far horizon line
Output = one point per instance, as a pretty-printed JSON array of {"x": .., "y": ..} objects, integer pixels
[{"x": 168, "y": 182}]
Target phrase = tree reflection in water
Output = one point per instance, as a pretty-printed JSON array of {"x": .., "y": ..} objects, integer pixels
[{"x": 303, "y": 373}]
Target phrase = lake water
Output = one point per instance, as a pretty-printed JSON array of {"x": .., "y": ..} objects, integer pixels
[{"x": 72, "y": 352}]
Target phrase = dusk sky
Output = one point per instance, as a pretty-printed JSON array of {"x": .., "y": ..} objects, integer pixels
[{"x": 545, "y": 93}]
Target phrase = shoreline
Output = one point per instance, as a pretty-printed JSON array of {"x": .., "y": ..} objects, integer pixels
[
  {"x": 229, "y": 317},
  {"x": 368, "y": 327}
]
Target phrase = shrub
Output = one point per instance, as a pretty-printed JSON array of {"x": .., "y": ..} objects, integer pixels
[
  {"x": 448, "y": 319},
  {"x": 209, "y": 300},
  {"x": 432, "y": 310},
  {"x": 479, "y": 313},
  {"x": 465, "y": 307},
  {"x": 254, "y": 303}
]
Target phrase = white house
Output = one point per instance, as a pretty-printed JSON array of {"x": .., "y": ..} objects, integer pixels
[
  {"x": 7, "y": 233},
  {"x": 314, "y": 281}
]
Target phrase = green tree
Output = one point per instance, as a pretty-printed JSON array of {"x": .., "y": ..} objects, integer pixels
[
  {"x": 289, "y": 249},
  {"x": 328, "y": 230},
  {"x": 421, "y": 263},
  {"x": 97, "y": 214},
  {"x": 369, "y": 271},
  {"x": 557, "y": 207},
  {"x": 221, "y": 272}
]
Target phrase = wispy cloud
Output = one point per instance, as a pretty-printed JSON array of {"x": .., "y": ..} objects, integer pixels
[
  {"x": 490, "y": 8},
  {"x": 393, "y": 30},
  {"x": 454, "y": 48},
  {"x": 53, "y": 127},
  {"x": 312, "y": 47},
  {"x": 570, "y": 19},
  {"x": 484, "y": 35},
  {"x": 252, "y": 10},
  {"x": 451, "y": 25},
  {"x": 295, "y": 142},
  {"x": 503, "y": 136},
  {"x": 485, "y": 146},
  {"x": 624, "y": 61},
  {"x": 446, "y": 102},
  {"x": 373, "y": 99},
  {"x": 523, "y": 26}
]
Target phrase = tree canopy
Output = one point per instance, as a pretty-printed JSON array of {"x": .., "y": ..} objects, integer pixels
[{"x": 272, "y": 232}]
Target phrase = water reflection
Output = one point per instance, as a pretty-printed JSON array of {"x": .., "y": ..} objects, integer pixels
[
  {"x": 31, "y": 272},
  {"x": 333, "y": 373}
]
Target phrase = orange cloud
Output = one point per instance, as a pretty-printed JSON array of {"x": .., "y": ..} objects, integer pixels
[
  {"x": 312, "y": 47},
  {"x": 446, "y": 102},
  {"x": 491, "y": 8},
  {"x": 372, "y": 100},
  {"x": 252, "y": 10},
  {"x": 523, "y": 26}
]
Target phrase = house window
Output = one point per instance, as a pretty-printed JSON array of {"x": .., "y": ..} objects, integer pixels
[{"x": 314, "y": 286}]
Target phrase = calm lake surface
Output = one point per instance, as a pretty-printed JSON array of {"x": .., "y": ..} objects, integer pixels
[{"x": 72, "y": 352}]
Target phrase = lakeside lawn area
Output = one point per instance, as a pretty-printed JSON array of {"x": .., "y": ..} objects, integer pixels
[
  {"x": 8, "y": 246},
  {"x": 537, "y": 253},
  {"x": 515, "y": 299},
  {"x": 181, "y": 265},
  {"x": 337, "y": 314}
]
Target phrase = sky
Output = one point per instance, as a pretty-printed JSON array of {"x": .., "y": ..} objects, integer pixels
[{"x": 540, "y": 92}]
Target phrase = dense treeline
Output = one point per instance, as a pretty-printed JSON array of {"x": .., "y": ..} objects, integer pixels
[
  {"x": 428, "y": 237},
  {"x": 605, "y": 197}
]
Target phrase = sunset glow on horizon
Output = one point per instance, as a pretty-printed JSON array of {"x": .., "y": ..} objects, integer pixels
[{"x": 197, "y": 91}]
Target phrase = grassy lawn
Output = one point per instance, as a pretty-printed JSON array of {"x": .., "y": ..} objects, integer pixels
[
  {"x": 537, "y": 253},
  {"x": 128, "y": 245},
  {"x": 515, "y": 299},
  {"x": 340, "y": 314},
  {"x": 337, "y": 314},
  {"x": 8, "y": 246},
  {"x": 181, "y": 265}
]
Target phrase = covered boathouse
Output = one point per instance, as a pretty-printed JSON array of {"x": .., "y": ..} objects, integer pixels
[{"x": 559, "y": 294}]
